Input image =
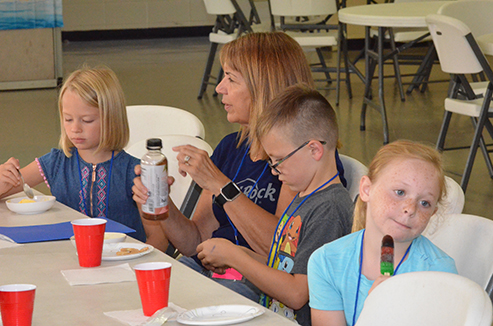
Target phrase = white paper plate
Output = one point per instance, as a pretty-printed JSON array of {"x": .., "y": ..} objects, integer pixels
[
  {"x": 42, "y": 204},
  {"x": 110, "y": 250},
  {"x": 219, "y": 315}
]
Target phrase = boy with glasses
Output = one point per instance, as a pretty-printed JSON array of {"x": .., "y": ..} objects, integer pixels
[{"x": 299, "y": 133}]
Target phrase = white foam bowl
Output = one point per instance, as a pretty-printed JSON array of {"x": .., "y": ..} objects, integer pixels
[{"x": 41, "y": 204}]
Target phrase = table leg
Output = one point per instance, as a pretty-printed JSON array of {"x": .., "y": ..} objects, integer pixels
[
  {"x": 423, "y": 71},
  {"x": 368, "y": 78},
  {"x": 383, "y": 111},
  {"x": 371, "y": 60}
]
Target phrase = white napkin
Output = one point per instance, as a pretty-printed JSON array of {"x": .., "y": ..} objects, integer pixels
[
  {"x": 98, "y": 275},
  {"x": 136, "y": 317},
  {"x": 6, "y": 242}
]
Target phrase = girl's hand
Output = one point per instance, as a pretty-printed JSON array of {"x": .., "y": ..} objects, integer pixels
[
  {"x": 9, "y": 175},
  {"x": 199, "y": 166},
  {"x": 379, "y": 280},
  {"x": 214, "y": 254},
  {"x": 139, "y": 190}
]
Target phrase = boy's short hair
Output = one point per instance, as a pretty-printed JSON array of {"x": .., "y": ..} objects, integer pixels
[
  {"x": 304, "y": 114},
  {"x": 98, "y": 87}
]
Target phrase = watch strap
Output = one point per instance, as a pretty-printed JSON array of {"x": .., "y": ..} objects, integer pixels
[{"x": 228, "y": 193}]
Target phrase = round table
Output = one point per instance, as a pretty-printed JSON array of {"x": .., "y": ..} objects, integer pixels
[
  {"x": 405, "y": 14},
  {"x": 384, "y": 16}
]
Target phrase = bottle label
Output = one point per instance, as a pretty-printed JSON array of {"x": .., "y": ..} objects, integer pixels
[{"x": 155, "y": 179}]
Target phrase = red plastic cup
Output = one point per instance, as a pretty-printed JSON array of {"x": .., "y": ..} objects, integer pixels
[
  {"x": 153, "y": 280},
  {"x": 89, "y": 238},
  {"x": 17, "y": 304}
]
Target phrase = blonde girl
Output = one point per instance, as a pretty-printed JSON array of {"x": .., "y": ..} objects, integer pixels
[
  {"x": 404, "y": 184},
  {"x": 90, "y": 172}
]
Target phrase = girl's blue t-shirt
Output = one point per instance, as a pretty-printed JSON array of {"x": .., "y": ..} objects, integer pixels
[
  {"x": 333, "y": 272},
  {"x": 63, "y": 177}
]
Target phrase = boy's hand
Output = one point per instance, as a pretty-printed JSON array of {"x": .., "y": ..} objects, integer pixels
[
  {"x": 379, "y": 280},
  {"x": 215, "y": 254}
]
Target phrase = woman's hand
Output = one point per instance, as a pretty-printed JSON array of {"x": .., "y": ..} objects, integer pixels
[
  {"x": 9, "y": 175},
  {"x": 139, "y": 190},
  {"x": 199, "y": 166}
]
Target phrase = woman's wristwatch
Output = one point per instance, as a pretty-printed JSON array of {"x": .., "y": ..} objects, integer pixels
[{"x": 228, "y": 193}]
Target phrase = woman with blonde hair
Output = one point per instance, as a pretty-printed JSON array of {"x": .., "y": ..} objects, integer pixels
[{"x": 241, "y": 200}]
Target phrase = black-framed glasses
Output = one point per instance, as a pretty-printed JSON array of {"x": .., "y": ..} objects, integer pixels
[{"x": 274, "y": 166}]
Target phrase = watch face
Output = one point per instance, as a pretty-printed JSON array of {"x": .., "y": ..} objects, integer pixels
[{"x": 230, "y": 190}]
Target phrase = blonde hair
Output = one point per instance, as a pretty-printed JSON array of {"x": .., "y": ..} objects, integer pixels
[
  {"x": 401, "y": 149},
  {"x": 98, "y": 87},
  {"x": 304, "y": 113},
  {"x": 269, "y": 62}
]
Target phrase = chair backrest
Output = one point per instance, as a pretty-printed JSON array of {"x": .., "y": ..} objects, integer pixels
[
  {"x": 182, "y": 184},
  {"x": 454, "y": 50},
  {"x": 148, "y": 121},
  {"x": 353, "y": 171},
  {"x": 295, "y": 8},
  {"x": 427, "y": 298},
  {"x": 475, "y": 14},
  {"x": 468, "y": 239},
  {"x": 219, "y": 7},
  {"x": 453, "y": 203}
]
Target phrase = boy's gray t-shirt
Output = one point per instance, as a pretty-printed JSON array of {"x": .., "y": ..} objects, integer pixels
[{"x": 325, "y": 216}]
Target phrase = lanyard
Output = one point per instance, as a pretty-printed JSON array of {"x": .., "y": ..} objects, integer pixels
[
  {"x": 235, "y": 230},
  {"x": 272, "y": 253},
  {"x": 360, "y": 266},
  {"x": 83, "y": 209}
]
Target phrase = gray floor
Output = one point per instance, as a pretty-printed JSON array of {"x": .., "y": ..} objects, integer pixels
[{"x": 168, "y": 72}]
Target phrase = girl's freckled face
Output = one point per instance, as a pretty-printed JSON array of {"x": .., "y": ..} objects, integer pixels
[{"x": 403, "y": 198}]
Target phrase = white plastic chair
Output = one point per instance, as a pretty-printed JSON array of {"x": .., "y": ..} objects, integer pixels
[
  {"x": 353, "y": 171},
  {"x": 427, "y": 298},
  {"x": 460, "y": 54},
  {"x": 312, "y": 35},
  {"x": 476, "y": 15},
  {"x": 182, "y": 184},
  {"x": 468, "y": 239},
  {"x": 453, "y": 203},
  {"x": 228, "y": 26},
  {"x": 148, "y": 121}
]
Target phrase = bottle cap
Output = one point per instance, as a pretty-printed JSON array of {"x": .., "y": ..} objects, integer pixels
[{"x": 154, "y": 143}]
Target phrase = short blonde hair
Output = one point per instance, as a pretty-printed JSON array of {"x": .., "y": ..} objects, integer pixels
[
  {"x": 303, "y": 113},
  {"x": 269, "y": 62},
  {"x": 98, "y": 87},
  {"x": 400, "y": 149}
]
